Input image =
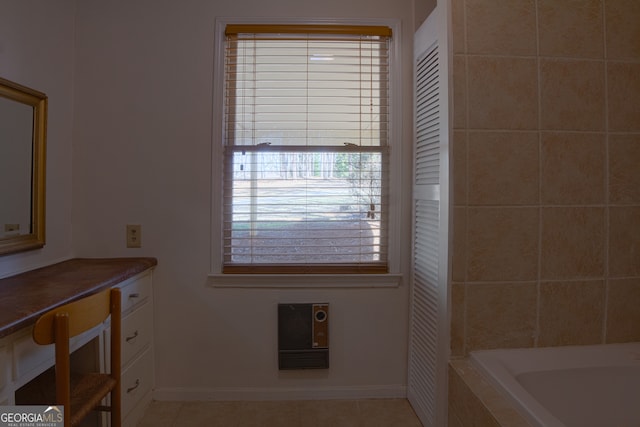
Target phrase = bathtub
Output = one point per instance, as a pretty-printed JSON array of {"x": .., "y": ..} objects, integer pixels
[{"x": 575, "y": 386}]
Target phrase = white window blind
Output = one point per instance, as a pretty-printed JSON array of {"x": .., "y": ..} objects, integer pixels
[{"x": 306, "y": 120}]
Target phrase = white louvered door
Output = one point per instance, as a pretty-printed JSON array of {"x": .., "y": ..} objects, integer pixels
[{"x": 429, "y": 334}]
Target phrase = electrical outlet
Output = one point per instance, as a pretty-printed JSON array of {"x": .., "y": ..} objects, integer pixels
[{"x": 134, "y": 236}]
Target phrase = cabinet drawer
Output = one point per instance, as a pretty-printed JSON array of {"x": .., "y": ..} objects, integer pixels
[
  {"x": 136, "y": 291},
  {"x": 137, "y": 330},
  {"x": 137, "y": 381}
]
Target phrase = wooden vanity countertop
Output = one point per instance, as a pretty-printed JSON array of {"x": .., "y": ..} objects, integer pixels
[{"x": 26, "y": 296}]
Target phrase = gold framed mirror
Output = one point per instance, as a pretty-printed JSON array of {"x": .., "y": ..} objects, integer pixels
[{"x": 23, "y": 126}]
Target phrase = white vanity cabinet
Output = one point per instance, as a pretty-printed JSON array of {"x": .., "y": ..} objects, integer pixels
[
  {"x": 137, "y": 379},
  {"x": 22, "y": 361}
]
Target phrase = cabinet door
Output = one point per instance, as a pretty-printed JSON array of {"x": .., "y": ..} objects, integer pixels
[{"x": 429, "y": 333}]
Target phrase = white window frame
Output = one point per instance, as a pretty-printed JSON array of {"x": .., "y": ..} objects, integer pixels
[{"x": 396, "y": 197}]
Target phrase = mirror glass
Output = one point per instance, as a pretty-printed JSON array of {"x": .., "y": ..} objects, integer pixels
[{"x": 22, "y": 167}]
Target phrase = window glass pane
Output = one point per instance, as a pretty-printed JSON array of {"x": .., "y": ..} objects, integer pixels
[{"x": 293, "y": 207}]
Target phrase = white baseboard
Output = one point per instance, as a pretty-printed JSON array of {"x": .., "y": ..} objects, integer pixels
[{"x": 316, "y": 393}]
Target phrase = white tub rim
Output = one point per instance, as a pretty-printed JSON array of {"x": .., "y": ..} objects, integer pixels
[{"x": 501, "y": 367}]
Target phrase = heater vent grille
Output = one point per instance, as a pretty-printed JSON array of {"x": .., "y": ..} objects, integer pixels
[{"x": 303, "y": 336}]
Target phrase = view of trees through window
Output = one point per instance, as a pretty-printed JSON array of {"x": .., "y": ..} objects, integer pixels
[{"x": 287, "y": 205}]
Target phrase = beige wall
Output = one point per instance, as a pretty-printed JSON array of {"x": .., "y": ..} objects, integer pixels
[
  {"x": 36, "y": 50},
  {"x": 421, "y": 10},
  {"x": 547, "y": 183},
  {"x": 143, "y": 155}
]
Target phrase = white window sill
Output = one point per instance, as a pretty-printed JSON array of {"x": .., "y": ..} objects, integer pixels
[{"x": 304, "y": 280}]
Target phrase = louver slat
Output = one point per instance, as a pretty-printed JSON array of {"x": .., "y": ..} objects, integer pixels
[{"x": 427, "y": 120}]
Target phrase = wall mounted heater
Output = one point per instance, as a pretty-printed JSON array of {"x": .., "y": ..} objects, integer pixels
[{"x": 303, "y": 336}]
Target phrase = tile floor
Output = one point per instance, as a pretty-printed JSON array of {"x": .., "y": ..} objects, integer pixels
[{"x": 316, "y": 413}]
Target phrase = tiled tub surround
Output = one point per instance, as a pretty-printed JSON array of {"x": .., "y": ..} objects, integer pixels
[
  {"x": 475, "y": 402},
  {"x": 546, "y": 183}
]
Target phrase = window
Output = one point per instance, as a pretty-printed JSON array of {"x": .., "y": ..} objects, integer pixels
[{"x": 306, "y": 149}]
